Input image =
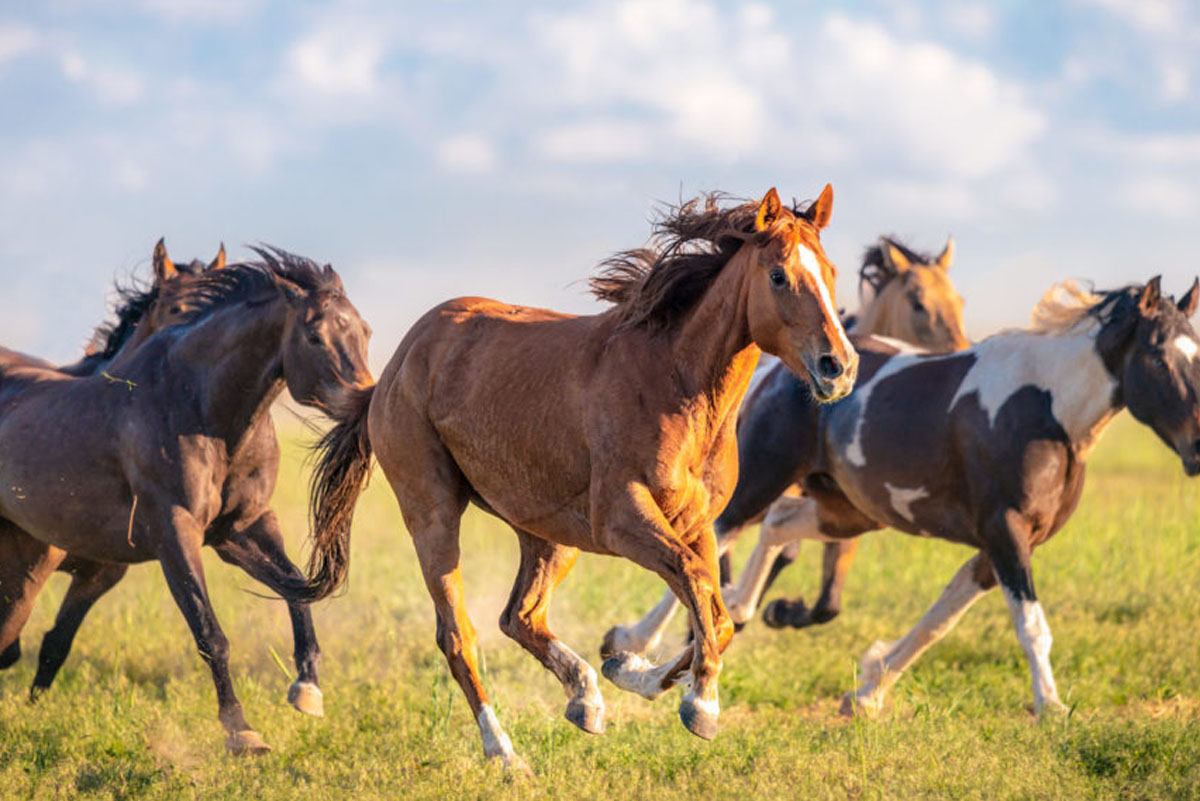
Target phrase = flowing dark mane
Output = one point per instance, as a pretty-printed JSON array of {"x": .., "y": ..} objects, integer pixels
[
  {"x": 690, "y": 244},
  {"x": 132, "y": 302},
  {"x": 876, "y": 272},
  {"x": 249, "y": 281}
]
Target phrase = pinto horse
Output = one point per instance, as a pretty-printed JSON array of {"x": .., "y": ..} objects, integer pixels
[
  {"x": 134, "y": 464},
  {"x": 610, "y": 433},
  {"x": 903, "y": 295},
  {"x": 987, "y": 447}
]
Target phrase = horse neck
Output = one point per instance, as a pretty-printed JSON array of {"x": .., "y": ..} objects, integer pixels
[
  {"x": 712, "y": 351},
  {"x": 234, "y": 358}
]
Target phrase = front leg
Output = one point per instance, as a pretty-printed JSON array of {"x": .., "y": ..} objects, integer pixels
[
  {"x": 1010, "y": 555},
  {"x": 181, "y": 537},
  {"x": 257, "y": 547},
  {"x": 634, "y": 527}
]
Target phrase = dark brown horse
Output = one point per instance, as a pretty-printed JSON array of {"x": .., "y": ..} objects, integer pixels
[
  {"x": 986, "y": 447},
  {"x": 903, "y": 295},
  {"x": 149, "y": 444},
  {"x": 247, "y": 531},
  {"x": 610, "y": 433}
]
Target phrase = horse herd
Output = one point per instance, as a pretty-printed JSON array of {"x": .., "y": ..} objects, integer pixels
[{"x": 618, "y": 433}]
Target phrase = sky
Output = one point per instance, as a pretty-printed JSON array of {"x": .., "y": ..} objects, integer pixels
[{"x": 461, "y": 147}]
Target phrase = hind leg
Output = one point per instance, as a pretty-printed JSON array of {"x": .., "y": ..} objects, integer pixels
[
  {"x": 257, "y": 547},
  {"x": 89, "y": 581},
  {"x": 543, "y": 566},
  {"x": 25, "y": 564},
  {"x": 836, "y": 562}
]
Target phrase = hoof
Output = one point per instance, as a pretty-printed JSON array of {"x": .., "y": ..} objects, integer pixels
[
  {"x": 35, "y": 693},
  {"x": 699, "y": 717},
  {"x": 1053, "y": 712},
  {"x": 853, "y": 706},
  {"x": 246, "y": 743},
  {"x": 589, "y": 718},
  {"x": 515, "y": 768},
  {"x": 616, "y": 640},
  {"x": 307, "y": 697},
  {"x": 782, "y": 614},
  {"x": 11, "y": 655}
]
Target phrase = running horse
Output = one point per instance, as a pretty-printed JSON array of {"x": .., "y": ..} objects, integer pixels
[
  {"x": 903, "y": 295},
  {"x": 130, "y": 465},
  {"x": 611, "y": 433},
  {"x": 987, "y": 447},
  {"x": 247, "y": 531}
]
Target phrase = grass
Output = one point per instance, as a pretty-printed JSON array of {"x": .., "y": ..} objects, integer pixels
[{"x": 133, "y": 714}]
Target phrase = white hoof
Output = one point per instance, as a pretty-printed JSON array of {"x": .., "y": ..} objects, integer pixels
[
  {"x": 307, "y": 697},
  {"x": 246, "y": 743}
]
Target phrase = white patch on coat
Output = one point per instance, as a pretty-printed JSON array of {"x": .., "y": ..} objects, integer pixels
[
  {"x": 1065, "y": 365},
  {"x": 495, "y": 739},
  {"x": 1187, "y": 346},
  {"x": 862, "y": 396},
  {"x": 902, "y": 347},
  {"x": 567, "y": 661},
  {"x": 903, "y": 499},
  {"x": 1034, "y": 633},
  {"x": 808, "y": 260}
]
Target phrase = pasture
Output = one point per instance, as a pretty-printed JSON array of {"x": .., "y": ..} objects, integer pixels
[{"x": 132, "y": 713}]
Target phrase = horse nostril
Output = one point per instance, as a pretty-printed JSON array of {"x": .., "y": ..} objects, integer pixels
[
  {"x": 830, "y": 366},
  {"x": 1196, "y": 447}
]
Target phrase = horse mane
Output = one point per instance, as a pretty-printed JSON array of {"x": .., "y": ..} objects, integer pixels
[
  {"x": 132, "y": 302},
  {"x": 656, "y": 285},
  {"x": 1067, "y": 305},
  {"x": 248, "y": 281},
  {"x": 876, "y": 272}
]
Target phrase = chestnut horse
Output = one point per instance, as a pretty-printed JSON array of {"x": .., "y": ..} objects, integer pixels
[
  {"x": 247, "y": 531},
  {"x": 903, "y": 295},
  {"x": 987, "y": 447},
  {"x": 131, "y": 465},
  {"x": 610, "y": 433}
]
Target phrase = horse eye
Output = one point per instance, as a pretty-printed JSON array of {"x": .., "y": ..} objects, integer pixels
[
  {"x": 778, "y": 278},
  {"x": 176, "y": 309},
  {"x": 1158, "y": 361},
  {"x": 313, "y": 338}
]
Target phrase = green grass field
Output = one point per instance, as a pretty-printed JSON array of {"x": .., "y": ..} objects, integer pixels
[{"x": 133, "y": 714}]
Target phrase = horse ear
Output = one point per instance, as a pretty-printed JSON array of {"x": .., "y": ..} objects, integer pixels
[
  {"x": 768, "y": 211},
  {"x": 820, "y": 211},
  {"x": 946, "y": 258},
  {"x": 164, "y": 268},
  {"x": 895, "y": 258},
  {"x": 1187, "y": 304},
  {"x": 290, "y": 290},
  {"x": 218, "y": 263},
  {"x": 1150, "y": 296}
]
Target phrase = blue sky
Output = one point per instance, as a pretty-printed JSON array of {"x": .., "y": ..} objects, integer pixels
[{"x": 502, "y": 149}]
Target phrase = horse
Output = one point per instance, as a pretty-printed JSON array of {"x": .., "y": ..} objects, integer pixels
[
  {"x": 903, "y": 295},
  {"x": 247, "y": 526},
  {"x": 610, "y": 433},
  {"x": 987, "y": 447},
  {"x": 141, "y": 461}
]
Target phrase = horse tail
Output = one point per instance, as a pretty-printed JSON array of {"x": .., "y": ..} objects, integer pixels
[{"x": 343, "y": 466}]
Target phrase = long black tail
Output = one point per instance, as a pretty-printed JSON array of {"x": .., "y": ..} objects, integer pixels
[{"x": 343, "y": 466}]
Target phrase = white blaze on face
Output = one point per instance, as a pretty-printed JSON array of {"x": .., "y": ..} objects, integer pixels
[
  {"x": 1187, "y": 346},
  {"x": 808, "y": 260}
]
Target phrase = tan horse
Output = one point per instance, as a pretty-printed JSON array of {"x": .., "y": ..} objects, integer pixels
[
  {"x": 611, "y": 433},
  {"x": 902, "y": 295}
]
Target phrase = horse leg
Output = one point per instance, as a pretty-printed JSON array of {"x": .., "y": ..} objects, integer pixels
[
  {"x": 543, "y": 566},
  {"x": 838, "y": 558},
  {"x": 25, "y": 564},
  {"x": 836, "y": 562},
  {"x": 1009, "y": 555},
  {"x": 883, "y": 663},
  {"x": 258, "y": 549},
  {"x": 647, "y": 633},
  {"x": 692, "y": 573},
  {"x": 789, "y": 520},
  {"x": 89, "y": 581},
  {"x": 179, "y": 556}
]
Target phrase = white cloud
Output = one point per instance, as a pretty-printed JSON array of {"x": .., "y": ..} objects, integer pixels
[
  {"x": 1160, "y": 196},
  {"x": 337, "y": 62},
  {"x": 467, "y": 153},
  {"x": 17, "y": 41},
  {"x": 973, "y": 20},
  {"x": 594, "y": 141},
  {"x": 1154, "y": 16},
  {"x": 111, "y": 85},
  {"x": 192, "y": 11}
]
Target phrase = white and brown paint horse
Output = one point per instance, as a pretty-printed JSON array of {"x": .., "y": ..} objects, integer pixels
[
  {"x": 987, "y": 448},
  {"x": 903, "y": 295}
]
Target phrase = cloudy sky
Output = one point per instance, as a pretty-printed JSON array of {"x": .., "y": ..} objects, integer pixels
[{"x": 469, "y": 147}]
